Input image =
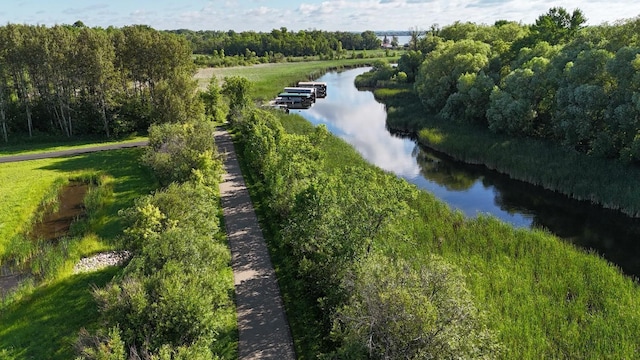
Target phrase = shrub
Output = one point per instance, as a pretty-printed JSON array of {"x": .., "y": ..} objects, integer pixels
[
  {"x": 186, "y": 206},
  {"x": 398, "y": 312},
  {"x": 100, "y": 346},
  {"x": 182, "y": 152}
]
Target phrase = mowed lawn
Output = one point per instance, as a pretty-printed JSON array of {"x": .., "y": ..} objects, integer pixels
[{"x": 40, "y": 147}]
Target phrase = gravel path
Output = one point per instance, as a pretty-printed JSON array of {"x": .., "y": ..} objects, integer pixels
[{"x": 262, "y": 324}]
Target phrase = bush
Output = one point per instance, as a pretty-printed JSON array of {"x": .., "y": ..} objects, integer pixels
[
  {"x": 101, "y": 346},
  {"x": 182, "y": 152},
  {"x": 174, "y": 300},
  {"x": 186, "y": 206},
  {"x": 398, "y": 312},
  {"x": 177, "y": 281}
]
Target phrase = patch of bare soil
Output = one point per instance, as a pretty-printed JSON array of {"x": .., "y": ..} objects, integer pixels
[
  {"x": 9, "y": 282},
  {"x": 56, "y": 225}
]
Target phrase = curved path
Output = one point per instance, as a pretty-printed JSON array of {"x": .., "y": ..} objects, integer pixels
[
  {"x": 69, "y": 152},
  {"x": 262, "y": 325}
]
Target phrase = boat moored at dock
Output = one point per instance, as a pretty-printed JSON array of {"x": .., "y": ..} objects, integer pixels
[{"x": 321, "y": 87}]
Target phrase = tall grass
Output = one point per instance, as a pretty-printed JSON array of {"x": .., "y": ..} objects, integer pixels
[
  {"x": 45, "y": 259},
  {"x": 544, "y": 298}
]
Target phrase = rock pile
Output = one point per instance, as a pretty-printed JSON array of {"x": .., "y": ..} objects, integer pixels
[{"x": 102, "y": 260}]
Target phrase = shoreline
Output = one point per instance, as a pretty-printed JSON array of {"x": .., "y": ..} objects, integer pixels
[{"x": 578, "y": 176}]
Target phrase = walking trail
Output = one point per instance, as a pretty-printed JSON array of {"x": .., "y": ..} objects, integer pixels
[{"x": 262, "y": 325}]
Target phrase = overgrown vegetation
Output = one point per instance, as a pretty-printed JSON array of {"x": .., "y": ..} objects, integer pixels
[
  {"x": 42, "y": 318},
  {"x": 174, "y": 299},
  {"x": 526, "y": 293},
  {"x": 325, "y": 225}
]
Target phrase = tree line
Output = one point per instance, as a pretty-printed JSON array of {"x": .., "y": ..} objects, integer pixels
[
  {"x": 278, "y": 41},
  {"x": 555, "y": 79},
  {"x": 73, "y": 80}
]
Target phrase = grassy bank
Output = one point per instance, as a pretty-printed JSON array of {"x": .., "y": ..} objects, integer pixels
[
  {"x": 269, "y": 79},
  {"x": 579, "y": 176},
  {"x": 542, "y": 297},
  {"x": 26, "y": 184},
  {"x": 45, "y": 323},
  {"x": 43, "y": 318}
]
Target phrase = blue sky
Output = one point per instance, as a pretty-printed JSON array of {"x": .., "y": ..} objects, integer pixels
[{"x": 262, "y": 15}]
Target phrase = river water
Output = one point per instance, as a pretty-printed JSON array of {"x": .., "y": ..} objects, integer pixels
[{"x": 359, "y": 119}]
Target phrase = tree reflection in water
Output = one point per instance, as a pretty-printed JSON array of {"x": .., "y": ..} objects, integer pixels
[{"x": 356, "y": 117}]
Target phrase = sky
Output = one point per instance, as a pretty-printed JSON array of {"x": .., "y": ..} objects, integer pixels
[{"x": 295, "y": 15}]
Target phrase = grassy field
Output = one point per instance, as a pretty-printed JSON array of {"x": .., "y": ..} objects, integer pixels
[
  {"x": 26, "y": 183},
  {"x": 45, "y": 323},
  {"x": 42, "y": 320},
  {"x": 46, "y": 145},
  {"x": 269, "y": 79}
]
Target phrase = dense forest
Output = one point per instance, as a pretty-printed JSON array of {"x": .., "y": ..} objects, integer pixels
[
  {"x": 278, "y": 41},
  {"x": 557, "y": 80},
  {"x": 74, "y": 80}
]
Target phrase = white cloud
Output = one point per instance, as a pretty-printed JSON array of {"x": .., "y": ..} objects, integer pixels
[{"x": 263, "y": 15}]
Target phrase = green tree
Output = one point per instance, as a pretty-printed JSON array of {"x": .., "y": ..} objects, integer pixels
[
  {"x": 96, "y": 59},
  {"x": 237, "y": 89},
  {"x": 334, "y": 223},
  {"x": 214, "y": 105},
  {"x": 582, "y": 101},
  {"x": 182, "y": 152},
  {"x": 522, "y": 105},
  {"x": 410, "y": 62},
  {"x": 438, "y": 75},
  {"x": 370, "y": 41},
  {"x": 557, "y": 25},
  {"x": 394, "y": 41},
  {"x": 471, "y": 100}
]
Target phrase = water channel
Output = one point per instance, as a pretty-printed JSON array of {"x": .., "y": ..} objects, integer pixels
[{"x": 359, "y": 119}]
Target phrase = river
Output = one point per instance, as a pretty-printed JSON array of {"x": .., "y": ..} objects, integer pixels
[{"x": 359, "y": 119}]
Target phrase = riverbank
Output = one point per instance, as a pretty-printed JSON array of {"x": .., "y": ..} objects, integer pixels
[
  {"x": 541, "y": 296},
  {"x": 608, "y": 183}
]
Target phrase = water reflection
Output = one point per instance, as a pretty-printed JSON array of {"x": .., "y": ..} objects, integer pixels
[{"x": 356, "y": 117}]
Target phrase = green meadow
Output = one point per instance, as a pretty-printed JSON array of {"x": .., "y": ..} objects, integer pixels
[
  {"x": 43, "y": 317},
  {"x": 45, "y": 145},
  {"x": 269, "y": 79}
]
